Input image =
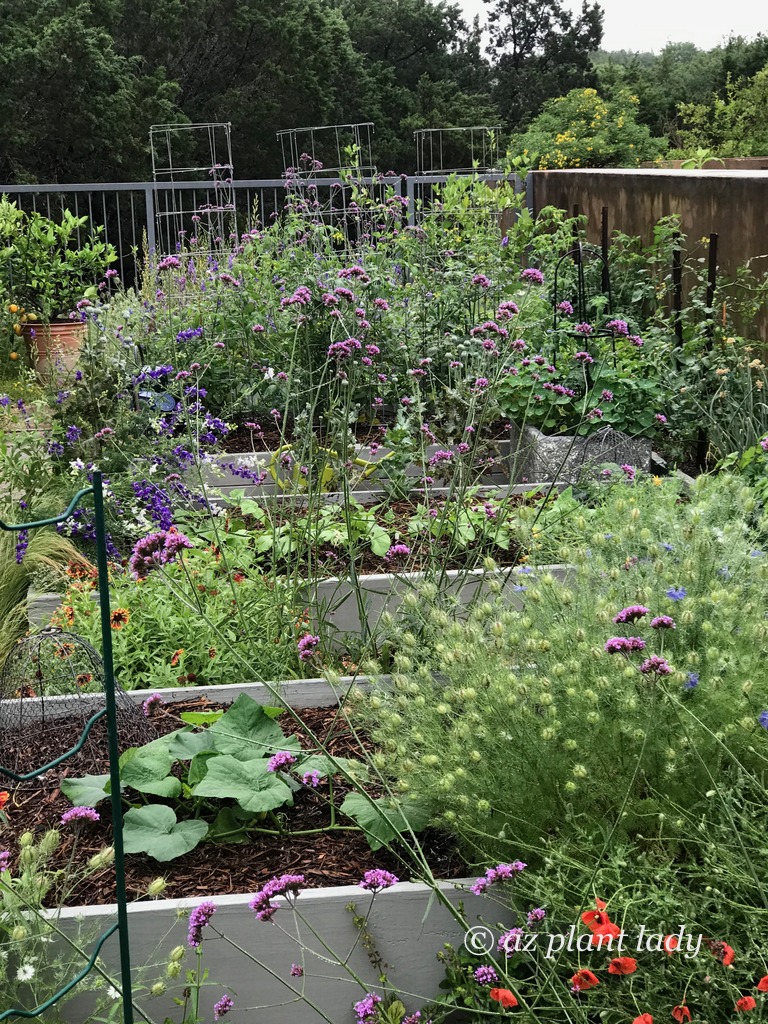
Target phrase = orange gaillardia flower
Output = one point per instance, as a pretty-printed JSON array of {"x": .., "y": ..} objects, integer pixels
[
  {"x": 176, "y": 657},
  {"x": 681, "y": 1013},
  {"x": 584, "y": 980},
  {"x": 84, "y": 678},
  {"x": 622, "y": 965},
  {"x": 504, "y": 996},
  {"x": 744, "y": 1005},
  {"x": 120, "y": 617}
]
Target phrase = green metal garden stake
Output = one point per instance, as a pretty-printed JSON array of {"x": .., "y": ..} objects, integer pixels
[{"x": 110, "y": 710}]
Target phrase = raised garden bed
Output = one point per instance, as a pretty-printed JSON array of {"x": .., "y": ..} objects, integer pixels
[
  {"x": 408, "y": 924},
  {"x": 538, "y": 456}
]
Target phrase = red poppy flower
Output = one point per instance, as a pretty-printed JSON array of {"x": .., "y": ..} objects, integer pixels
[
  {"x": 504, "y": 996},
  {"x": 762, "y": 985},
  {"x": 600, "y": 904},
  {"x": 720, "y": 951},
  {"x": 681, "y": 1013},
  {"x": 622, "y": 965},
  {"x": 644, "y": 1018},
  {"x": 584, "y": 980},
  {"x": 603, "y": 935},
  {"x": 4, "y": 798},
  {"x": 671, "y": 942},
  {"x": 744, "y": 1005}
]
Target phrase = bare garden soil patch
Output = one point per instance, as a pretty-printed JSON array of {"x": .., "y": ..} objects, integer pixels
[{"x": 325, "y": 859}]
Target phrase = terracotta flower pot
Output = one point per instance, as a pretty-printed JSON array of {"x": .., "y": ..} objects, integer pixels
[{"x": 54, "y": 346}]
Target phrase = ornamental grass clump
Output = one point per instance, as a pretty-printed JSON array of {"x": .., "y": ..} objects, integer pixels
[{"x": 618, "y": 703}]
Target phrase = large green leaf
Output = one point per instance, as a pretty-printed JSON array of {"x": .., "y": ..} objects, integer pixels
[
  {"x": 382, "y": 820},
  {"x": 246, "y": 731},
  {"x": 155, "y": 831},
  {"x": 148, "y": 771},
  {"x": 230, "y": 826},
  {"x": 198, "y": 766},
  {"x": 86, "y": 791},
  {"x": 184, "y": 745},
  {"x": 247, "y": 782}
]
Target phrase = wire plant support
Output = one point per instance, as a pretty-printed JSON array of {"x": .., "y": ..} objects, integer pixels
[
  {"x": 193, "y": 153},
  {"x": 470, "y": 150},
  {"x": 582, "y": 257},
  {"x": 110, "y": 712}
]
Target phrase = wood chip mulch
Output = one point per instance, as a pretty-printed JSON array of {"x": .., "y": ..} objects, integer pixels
[{"x": 325, "y": 859}]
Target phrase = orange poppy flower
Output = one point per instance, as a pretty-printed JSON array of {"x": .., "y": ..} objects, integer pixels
[
  {"x": 671, "y": 942},
  {"x": 681, "y": 1013},
  {"x": 504, "y": 996},
  {"x": 5, "y": 796},
  {"x": 644, "y": 1018},
  {"x": 622, "y": 965},
  {"x": 584, "y": 980},
  {"x": 744, "y": 1005},
  {"x": 120, "y": 617},
  {"x": 762, "y": 985}
]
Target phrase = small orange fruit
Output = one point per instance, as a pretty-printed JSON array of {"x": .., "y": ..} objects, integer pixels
[
  {"x": 13, "y": 308},
  {"x": 17, "y": 329},
  {"x": 13, "y": 356}
]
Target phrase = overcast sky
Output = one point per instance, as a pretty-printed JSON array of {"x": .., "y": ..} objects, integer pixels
[{"x": 650, "y": 24}]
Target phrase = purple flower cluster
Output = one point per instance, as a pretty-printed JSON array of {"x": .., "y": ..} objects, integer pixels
[
  {"x": 307, "y": 646},
  {"x": 152, "y": 701},
  {"x": 537, "y": 915},
  {"x": 189, "y": 333},
  {"x": 509, "y": 942},
  {"x": 663, "y": 622},
  {"x": 282, "y": 759},
  {"x": 5, "y": 859},
  {"x": 655, "y": 665},
  {"x": 79, "y": 814},
  {"x": 631, "y": 613},
  {"x": 624, "y": 644},
  {"x": 481, "y": 281},
  {"x": 343, "y": 349},
  {"x": 297, "y": 971},
  {"x": 583, "y": 357},
  {"x": 502, "y": 872},
  {"x": 278, "y": 886},
  {"x": 222, "y": 1008},
  {"x": 565, "y": 307},
  {"x": 397, "y": 551},
  {"x": 377, "y": 879},
  {"x": 198, "y": 919},
  {"x": 532, "y": 276},
  {"x": 156, "y": 549},
  {"x": 440, "y": 456},
  {"x": 365, "y": 1010},
  {"x": 485, "y": 975},
  {"x": 618, "y": 327},
  {"x": 301, "y": 297},
  {"x": 585, "y": 329},
  {"x": 311, "y": 779}
]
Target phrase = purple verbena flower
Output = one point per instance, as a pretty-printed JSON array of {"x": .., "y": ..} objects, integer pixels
[
  {"x": 655, "y": 665},
  {"x": 152, "y": 701},
  {"x": 624, "y": 644},
  {"x": 532, "y": 276},
  {"x": 377, "y": 879},
  {"x": 297, "y": 971},
  {"x": 632, "y": 613},
  {"x": 485, "y": 975},
  {"x": 80, "y": 814},
  {"x": 282, "y": 759},
  {"x": 307, "y": 646},
  {"x": 663, "y": 622},
  {"x": 222, "y": 1008},
  {"x": 261, "y": 903},
  {"x": 198, "y": 919}
]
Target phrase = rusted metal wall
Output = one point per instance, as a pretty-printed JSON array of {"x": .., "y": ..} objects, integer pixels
[{"x": 732, "y": 203}]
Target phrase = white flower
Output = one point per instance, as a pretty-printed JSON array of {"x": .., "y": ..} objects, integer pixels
[
  {"x": 269, "y": 373},
  {"x": 25, "y": 973},
  {"x": 77, "y": 465},
  {"x": 113, "y": 993}
]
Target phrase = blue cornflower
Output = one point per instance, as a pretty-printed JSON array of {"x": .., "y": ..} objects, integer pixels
[
  {"x": 667, "y": 547},
  {"x": 677, "y": 593},
  {"x": 763, "y": 719},
  {"x": 692, "y": 682},
  {"x": 518, "y": 588},
  {"x": 755, "y": 554},
  {"x": 724, "y": 573}
]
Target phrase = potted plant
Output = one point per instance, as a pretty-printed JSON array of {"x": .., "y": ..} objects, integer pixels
[{"x": 48, "y": 274}]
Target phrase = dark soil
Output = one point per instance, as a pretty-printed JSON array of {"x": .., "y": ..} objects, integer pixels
[{"x": 324, "y": 859}]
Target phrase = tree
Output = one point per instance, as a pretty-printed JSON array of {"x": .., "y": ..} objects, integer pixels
[
  {"x": 582, "y": 130},
  {"x": 540, "y": 50},
  {"x": 731, "y": 127},
  {"x": 72, "y": 107}
]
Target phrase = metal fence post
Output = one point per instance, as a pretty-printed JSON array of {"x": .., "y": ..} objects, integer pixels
[
  {"x": 149, "y": 198},
  {"x": 410, "y": 191}
]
